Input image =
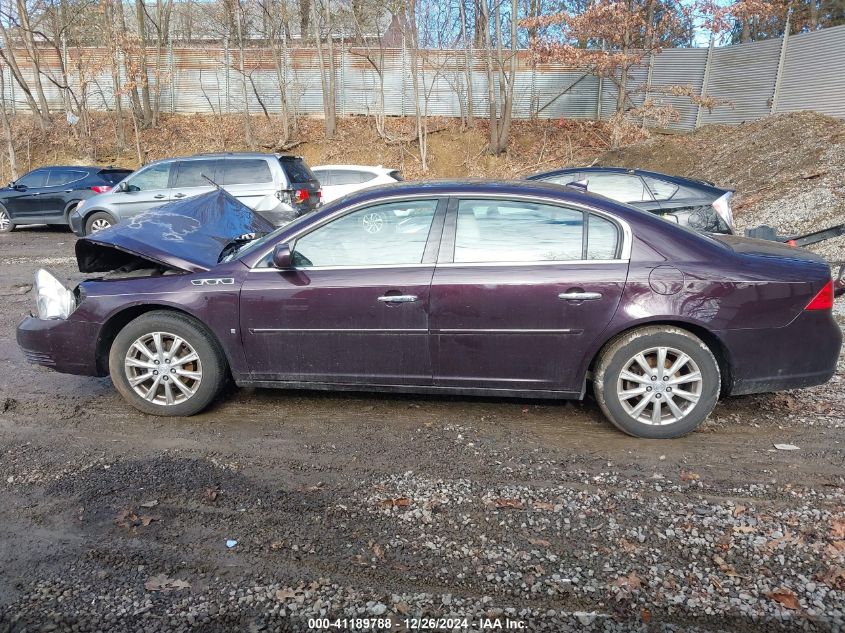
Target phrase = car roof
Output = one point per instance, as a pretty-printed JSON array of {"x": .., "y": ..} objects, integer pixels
[
  {"x": 224, "y": 155},
  {"x": 678, "y": 180}
]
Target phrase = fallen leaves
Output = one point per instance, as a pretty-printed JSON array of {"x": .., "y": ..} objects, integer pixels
[
  {"x": 631, "y": 582},
  {"x": 508, "y": 504},
  {"x": 725, "y": 568},
  {"x": 785, "y": 598},
  {"x": 540, "y": 542},
  {"x": 211, "y": 494},
  {"x": 834, "y": 578},
  {"x": 689, "y": 476},
  {"x": 127, "y": 518},
  {"x": 543, "y": 505},
  {"x": 163, "y": 583},
  {"x": 837, "y": 528},
  {"x": 399, "y": 502}
]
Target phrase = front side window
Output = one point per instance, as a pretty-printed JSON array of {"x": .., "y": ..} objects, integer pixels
[
  {"x": 376, "y": 235},
  {"x": 194, "y": 173},
  {"x": 64, "y": 177},
  {"x": 621, "y": 187},
  {"x": 37, "y": 178},
  {"x": 515, "y": 231},
  {"x": 149, "y": 179}
]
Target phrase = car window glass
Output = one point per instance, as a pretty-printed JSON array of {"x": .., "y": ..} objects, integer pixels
[
  {"x": 347, "y": 177},
  {"x": 114, "y": 176},
  {"x": 511, "y": 231},
  {"x": 396, "y": 175},
  {"x": 621, "y": 187},
  {"x": 661, "y": 189},
  {"x": 193, "y": 173},
  {"x": 386, "y": 234},
  {"x": 243, "y": 171},
  {"x": 602, "y": 238},
  {"x": 296, "y": 170},
  {"x": 33, "y": 179},
  {"x": 324, "y": 176},
  {"x": 63, "y": 177},
  {"x": 149, "y": 179},
  {"x": 562, "y": 179}
]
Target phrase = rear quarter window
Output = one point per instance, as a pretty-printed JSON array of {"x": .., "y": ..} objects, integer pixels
[
  {"x": 296, "y": 170},
  {"x": 243, "y": 171}
]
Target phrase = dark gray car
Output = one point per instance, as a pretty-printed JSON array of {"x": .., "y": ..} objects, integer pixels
[{"x": 697, "y": 204}]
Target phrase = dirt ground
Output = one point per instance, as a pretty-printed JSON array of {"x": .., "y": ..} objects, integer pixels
[{"x": 539, "y": 515}]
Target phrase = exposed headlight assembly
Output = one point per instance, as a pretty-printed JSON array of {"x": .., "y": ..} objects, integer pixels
[
  {"x": 722, "y": 205},
  {"x": 52, "y": 299}
]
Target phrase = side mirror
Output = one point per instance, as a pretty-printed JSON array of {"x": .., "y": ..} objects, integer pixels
[
  {"x": 282, "y": 257},
  {"x": 20, "y": 187},
  {"x": 121, "y": 186}
]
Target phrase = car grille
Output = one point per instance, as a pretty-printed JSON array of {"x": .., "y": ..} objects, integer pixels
[{"x": 39, "y": 358}]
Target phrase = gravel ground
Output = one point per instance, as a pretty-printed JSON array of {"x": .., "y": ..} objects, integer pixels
[{"x": 277, "y": 506}]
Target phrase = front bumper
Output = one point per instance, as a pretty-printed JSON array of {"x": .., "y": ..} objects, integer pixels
[
  {"x": 77, "y": 223},
  {"x": 68, "y": 346},
  {"x": 802, "y": 354}
]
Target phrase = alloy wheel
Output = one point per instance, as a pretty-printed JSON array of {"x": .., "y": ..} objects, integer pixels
[
  {"x": 373, "y": 222},
  {"x": 5, "y": 220},
  {"x": 659, "y": 386},
  {"x": 163, "y": 368},
  {"x": 99, "y": 224}
]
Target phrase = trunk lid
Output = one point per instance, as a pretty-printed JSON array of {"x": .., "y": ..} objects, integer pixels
[
  {"x": 186, "y": 235},
  {"x": 767, "y": 248},
  {"x": 300, "y": 180}
]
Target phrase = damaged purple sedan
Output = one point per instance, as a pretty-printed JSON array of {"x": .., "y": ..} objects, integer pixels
[{"x": 475, "y": 288}]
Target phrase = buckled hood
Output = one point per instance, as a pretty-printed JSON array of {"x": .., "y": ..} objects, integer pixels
[{"x": 186, "y": 235}]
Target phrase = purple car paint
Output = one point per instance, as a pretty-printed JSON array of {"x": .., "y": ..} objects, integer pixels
[{"x": 709, "y": 316}]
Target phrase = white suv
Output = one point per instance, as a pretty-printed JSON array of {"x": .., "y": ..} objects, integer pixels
[
  {"x": 277, "y": 187},
  {"x": 339, "y": 180}
]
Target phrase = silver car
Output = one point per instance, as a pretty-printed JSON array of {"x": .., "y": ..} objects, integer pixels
[{"x": 278, "y": 187}]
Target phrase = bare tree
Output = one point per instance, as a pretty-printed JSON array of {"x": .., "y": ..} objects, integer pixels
[
  {"x": 7, "y": 128},
  {"x": 323, "y": 23}
]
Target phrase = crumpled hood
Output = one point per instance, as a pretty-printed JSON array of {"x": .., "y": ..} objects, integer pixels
[{"x": 188, "y": 234}]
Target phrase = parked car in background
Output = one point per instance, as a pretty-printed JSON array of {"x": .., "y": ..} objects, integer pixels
[
  {"x": 277, "y": 187},
  {"x": 697, "y": 204},
  {"x": 339, "y": 180},
  {"x": 520, "y": 289},
  {"x": 49, "y": 194}
]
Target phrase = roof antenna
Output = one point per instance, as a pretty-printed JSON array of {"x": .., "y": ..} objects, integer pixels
[{"x": 219, "y": 188}]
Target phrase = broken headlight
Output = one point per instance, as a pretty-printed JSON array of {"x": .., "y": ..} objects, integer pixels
[{"x": 52, "y": 299}]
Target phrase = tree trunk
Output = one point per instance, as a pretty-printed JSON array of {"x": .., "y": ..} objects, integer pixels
[
  {"x": 32, "y": 50},
  {"x": 467, "y": 64},
  {"x": 144, "y": 71},
  {"x": 326, "y": 82},
  {"x": 7, "y": 129},
  {"x": 493, "y": 142},
  {"x": 510, "y": 83}
]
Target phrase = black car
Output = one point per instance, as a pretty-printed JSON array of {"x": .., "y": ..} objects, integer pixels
[
  {"x": 48, "y": 195},
  {"x": 697, "y": 204}
]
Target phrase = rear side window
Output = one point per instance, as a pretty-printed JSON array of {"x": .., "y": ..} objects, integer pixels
[
  {"x": 244, "y": 171},
  {"x": 396, "y": 175},
  {"x": 64, "y": 177},
  {"x": 37, "y": 178},
  {"x": 493, "y": 231},
  {"x": 296, "y": 170},
  {"x": 661, "y": 189},
  {"x": 350, "y": 176},
  {"x": 324, "y": 176},
  {"x": 620, "y": 187},
  {"x": 194, "y": 173}
]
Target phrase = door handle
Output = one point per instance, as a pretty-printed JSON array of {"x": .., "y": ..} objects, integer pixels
[
  {"x": 398, "y": 298},
  {"x": 579, "y": 296},
  {"x": 179, "y": 195},
  {"x": 159, "y": 196}
]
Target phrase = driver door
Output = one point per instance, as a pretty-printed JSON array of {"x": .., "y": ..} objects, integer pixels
[
  {"x": 145, "y": 189},
  {"x": 354, "y": 309}
]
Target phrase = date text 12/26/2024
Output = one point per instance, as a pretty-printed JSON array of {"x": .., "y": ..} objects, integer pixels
[{"x": 416, "y": 624}]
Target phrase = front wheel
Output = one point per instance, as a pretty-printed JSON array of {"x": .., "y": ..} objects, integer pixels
[
  {"x": 97, "y": 222},
  {"x": 6, "y": 224},
  {"x": 657, "y": 382},
  {"x": 166, "y": 363}
]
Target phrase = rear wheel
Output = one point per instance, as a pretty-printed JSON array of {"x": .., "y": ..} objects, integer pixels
[
  {"x": 6, "y": 224},
  {"x": 97, "y": 222},
  {"x": 167, "y": 364},
  {"x": 657, "y": 382}
]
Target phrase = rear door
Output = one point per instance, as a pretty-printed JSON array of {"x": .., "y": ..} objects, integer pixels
[
  {"x": 521, "y": 291},
  {"x": 61, "y": 184},
  {"x": 194, "y": 177},
  {"x": 303, "y": 186},
  {"x": 250, "y": 180}
]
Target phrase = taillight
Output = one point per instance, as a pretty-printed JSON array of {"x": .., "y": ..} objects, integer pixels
[
  {"x": 824, "y": 299},
  {"x": 300, "y": 195},
  {"x": 101, "y": 188},
  {"x": 722, "y": 205}
]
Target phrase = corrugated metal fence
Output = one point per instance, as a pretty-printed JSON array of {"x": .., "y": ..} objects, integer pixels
[{"x": 801, "y": 72}]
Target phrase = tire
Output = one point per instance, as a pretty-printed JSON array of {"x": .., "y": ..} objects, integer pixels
[
  {"x": 203, "y": 377},
  {"x": 6, "y": 223},
  {"x": 637, "y": 402},
  {"x": 97, "y": 222}
]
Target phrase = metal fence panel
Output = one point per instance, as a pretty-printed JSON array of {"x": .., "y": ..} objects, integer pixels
[{"x": 814, "y": 73}]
